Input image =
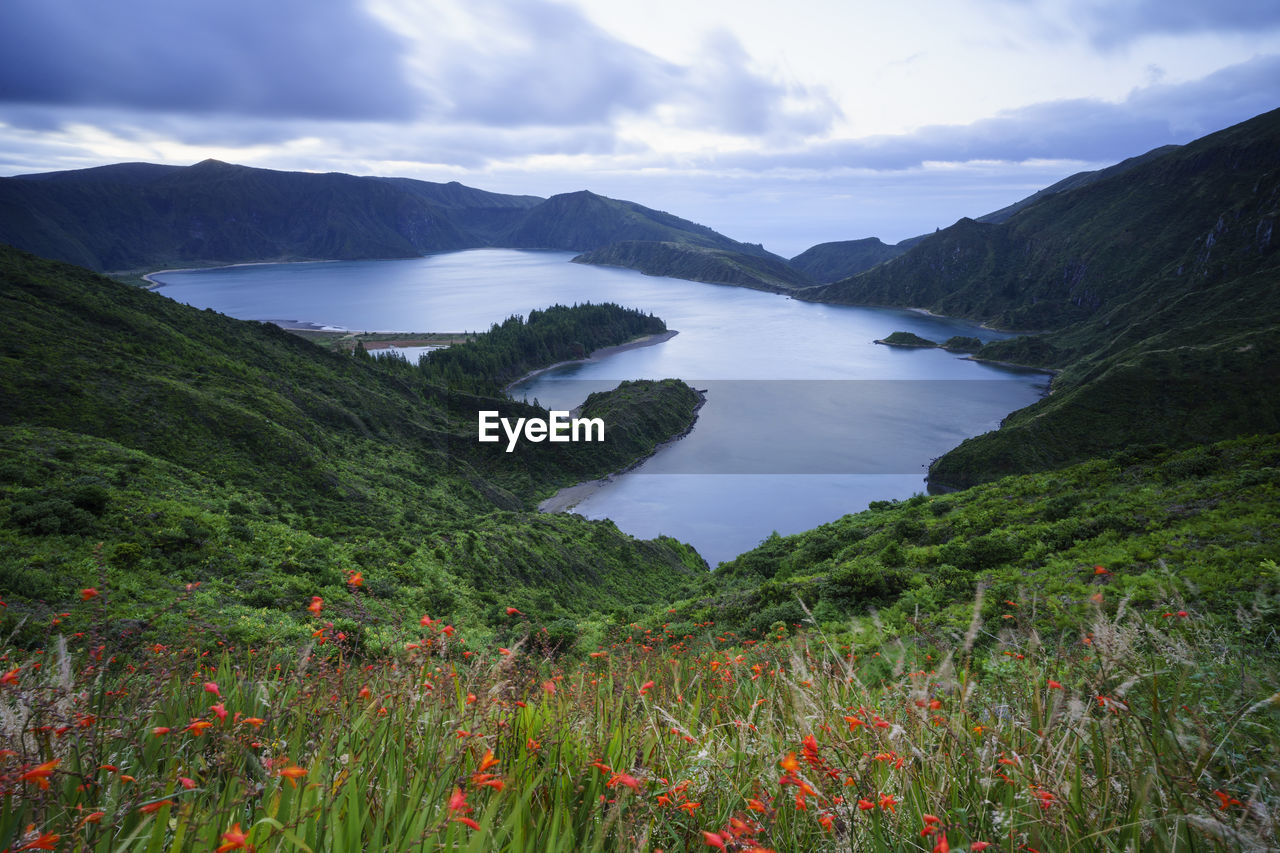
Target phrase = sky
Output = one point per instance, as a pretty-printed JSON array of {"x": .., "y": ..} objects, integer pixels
[{"x": 787, "y": 124}]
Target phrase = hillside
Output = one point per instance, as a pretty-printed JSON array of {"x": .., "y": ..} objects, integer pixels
[
  {"x": 582, "y": 221},
  {"x": 698, "y": 263},
  {"x": 148, "y": 445},
  {"x": 828, "y": 262},
  {"x": 140, "y": 216},
  {"x": 1156, "y": 285}
]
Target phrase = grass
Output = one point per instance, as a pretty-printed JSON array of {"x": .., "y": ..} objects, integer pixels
[{"x": 1133, "y": 729}]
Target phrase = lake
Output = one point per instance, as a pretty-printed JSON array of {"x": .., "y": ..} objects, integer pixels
[{"x": 806, "y": 419}]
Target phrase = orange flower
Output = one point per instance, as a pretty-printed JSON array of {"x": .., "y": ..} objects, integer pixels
[
  {"x": 865, "y": 804},
  {"x": 253, "y": 721},
  {"x": 488, "y": 761},
  {"x": 198, "y": 727},
  {"x": 467, "y": 822},
  {"x": 511, "y": 611},
  {"x": 161, "y": 730},
  {"x": 1055, "y": 685},
  {"x": 186, "y": 783},
  {"x": 233, "y": 839},
  {"x": 755, "y": 805},
  {"x": 293, "y": 773},
  {"x": 888, "y": 802},
  {"x": 10, "y": 677},
  {"x": 646, "y": 687},
  {"x": 1099, "y": 570},
  {"x": 942, "y": 846},
  {"x": 355, "y": 579},
  {"x": 826, "y": 820},
  {"x": 219, "y": 710},
  {"x": 979, "y": 845},
  {"x": 1226, "y": 800},
  {"x": 152, "y": 808},
  {"x": 624, "y": 779},
  {"x": 532, "y": 745},
  {"x": 88, "y": 593},
  {"x": 212, "y": 687},
  {"x": 44, "y": 841},
  {"x": 458, "y": 801},
  {"x": 713, "y": 839},
  {"x": 316, "y": 605},
  {"x": 690, "y": 807},
  {"x": 789, "y": 763},
  {"x": 40, "y": 774}
]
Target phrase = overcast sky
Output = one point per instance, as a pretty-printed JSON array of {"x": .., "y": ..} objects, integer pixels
[{"x": 787, "y": 124}]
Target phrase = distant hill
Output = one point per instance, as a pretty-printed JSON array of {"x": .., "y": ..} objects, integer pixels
[
  {"x": 828, "y": 262},
  {"x": 582, "y": 221},
  {"x": 1156, "y": 283},
  {"x": 699, "y": 263},
  {"x": 136, "y": 216}
]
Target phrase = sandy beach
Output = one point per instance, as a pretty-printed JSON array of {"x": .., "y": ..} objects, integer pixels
[
  {"x": 570, "y": 496},
  {"x": 597, "y": 355}
]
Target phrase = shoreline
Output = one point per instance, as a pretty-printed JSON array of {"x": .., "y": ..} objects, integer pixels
[
  {"x": 569, "y": 497},
  {"x": 598, "y": 355}
]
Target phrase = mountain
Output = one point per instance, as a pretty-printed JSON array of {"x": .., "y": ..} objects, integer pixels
[
  {"x": 1155, "y": 283},
  {"x": 150, "y": 445},
  {"x": 137, "y": 216},
  {"x": 582, "y": 221},
  {"x": 828, "y": 262},
  {"x": 699, "y": 263}
]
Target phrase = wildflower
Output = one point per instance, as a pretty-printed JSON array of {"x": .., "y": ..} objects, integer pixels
[
  {"x": 532, "y": 745},
  {"x": 212, "y": 687},
  {"x": 487, "y": 761},
  {"x": 931, "y": 819},
  {"x": 690, "y": 807},
  {"x": 253, "y": 721},
  {"x": 152, "y": 808},
  {"x": 467, "y": 822},
  {"x": 979, "y": 845},
  {"x": 364, "y": 692},
  {"x": 447, "y": 630},
  {"x": 355, "y": 579},
  {"x": 1055, "y": 685},
  {"x": 219, "y": 710},
  {"x": 511, "y": 611},
  {"x": 293, "y": 773},
  {"x": 646, "y": 687},
  {"x": 865, "y": 804},
  {"x": 942, "y": 846},
  {"x": 233, "y": 839},
  {"x": 40, "y": 774},
  {"x": 198, "y": 727},
  {"x": 10, "y": 677},
  {"x": 789, "y": 763},
  {"x": 624, "y": 779},
  {"x": 44, "y": 841},
  {"x": 1226, "y": 800},
  {"x": 888, "y": 802},
  {"x": 186, "y": 783},
  {"x": 854, "y": 722},
  {"x": 755, "y": 805},
  {"x": 1099, "y": 570},
  {"x": 713, "y": 839},
  {"x": 88, "y": 593},
  {"x": 826, "y": 820},
  {"x": 316, "y": 605},
  {"x": 160, "y": 730},
  {"x": 503, "y": 651},
  {"x": 426, "y": 621}
]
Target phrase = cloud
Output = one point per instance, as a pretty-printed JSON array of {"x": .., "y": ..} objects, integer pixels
[
  {"x": 1082, "y": 129},
  {"x": 522, "y": 63},
  {"x": 284, "y": 58},
  {"x": 1117, "y": 22}
]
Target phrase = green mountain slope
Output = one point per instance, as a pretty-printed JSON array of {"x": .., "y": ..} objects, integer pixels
[
  {"x": 828, "y": 262},
  {"x": 698, "y": 263},
  {"x": 136, "y": 216},
  {"x": 1156, "y": 282},
  {"x": 581, "y": 221},
  {"x": 195, "y": 447},
  {"x": 1167, "y": 528}
]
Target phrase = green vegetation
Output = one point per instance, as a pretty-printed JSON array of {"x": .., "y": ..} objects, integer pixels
[
  {"x": 962, "y": 343},
  {"x": 517, "y": 346},
  {"x": 1156, "y": 282},
  {"x": 1108, "y": 728},
  {"x": 828, "y": 262},
  {"x": 1169, "y": 527},
  {"x": 907, "y": 339},
  {"x": 699, "y": 263},
  {"x": 147, "y": 445}
]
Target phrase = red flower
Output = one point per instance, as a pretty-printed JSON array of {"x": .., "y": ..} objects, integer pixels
[
  {"x": 233, "y": 839},
  {"x": 511, "y": 611},
  {"x": 40, "y": 774},
  {"x": 713, "y": 839},
  {"x": 88, "y": 593}
]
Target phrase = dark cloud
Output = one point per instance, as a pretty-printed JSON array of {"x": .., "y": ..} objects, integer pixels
[
  {"x": 541, "y": 62},
  {"x": 1081, "y": 129},
  {"x": 282, "y": 58},
  {"x": 1120, "y": 21}
]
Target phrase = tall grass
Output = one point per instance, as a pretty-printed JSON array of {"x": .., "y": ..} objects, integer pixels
[{"x": 1138, "y": 731}]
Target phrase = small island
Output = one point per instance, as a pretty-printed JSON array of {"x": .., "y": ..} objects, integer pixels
[{"x": 956, "y": 343}]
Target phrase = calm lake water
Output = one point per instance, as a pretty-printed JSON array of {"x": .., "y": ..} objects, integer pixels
[{"x": 806, "y": 419}]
